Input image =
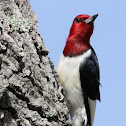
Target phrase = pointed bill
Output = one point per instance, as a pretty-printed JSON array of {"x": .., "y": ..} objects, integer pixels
[{"x": 91, "y": 19}]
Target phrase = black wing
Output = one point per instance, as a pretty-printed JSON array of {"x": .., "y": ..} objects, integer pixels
[{"x": 89, "y": 76}]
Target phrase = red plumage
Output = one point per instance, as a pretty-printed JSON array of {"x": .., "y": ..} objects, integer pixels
[{"x": 79, "y": 37}]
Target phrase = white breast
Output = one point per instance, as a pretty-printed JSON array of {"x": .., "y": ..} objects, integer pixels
[{"x": 68, "y": 71}]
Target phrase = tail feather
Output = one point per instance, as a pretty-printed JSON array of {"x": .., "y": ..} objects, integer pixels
[
  {"x": 87, "y": 111},
  {"x": 84, "y": 116}
]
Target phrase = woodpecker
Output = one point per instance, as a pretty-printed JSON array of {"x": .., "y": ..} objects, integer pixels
[{"x": 78, "y": 72}]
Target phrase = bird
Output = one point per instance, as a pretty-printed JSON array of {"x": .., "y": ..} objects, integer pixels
[{"x": 78, "y": 71}]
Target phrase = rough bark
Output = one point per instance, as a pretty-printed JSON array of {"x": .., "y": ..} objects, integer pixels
[{"x": 28, "y": 95}]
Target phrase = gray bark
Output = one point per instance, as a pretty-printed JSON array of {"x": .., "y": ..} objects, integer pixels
[{"x": 28, "y": 95}]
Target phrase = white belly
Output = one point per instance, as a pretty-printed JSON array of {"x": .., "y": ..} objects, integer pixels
[{"x": 68, "y": 71}]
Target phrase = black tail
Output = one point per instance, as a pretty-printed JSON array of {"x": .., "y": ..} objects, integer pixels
[{"x": 87, "y": 111}]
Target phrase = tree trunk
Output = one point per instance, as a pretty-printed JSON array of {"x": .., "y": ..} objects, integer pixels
[{"x": 28, "y": 95}]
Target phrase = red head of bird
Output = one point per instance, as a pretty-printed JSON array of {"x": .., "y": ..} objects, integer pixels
[{"x": 79, "y": 36}]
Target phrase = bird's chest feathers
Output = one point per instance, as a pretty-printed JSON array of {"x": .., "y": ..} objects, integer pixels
[{"x": 69, "y": 76}]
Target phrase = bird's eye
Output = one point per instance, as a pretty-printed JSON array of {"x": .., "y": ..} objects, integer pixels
[{"x": 78, "y": 20}]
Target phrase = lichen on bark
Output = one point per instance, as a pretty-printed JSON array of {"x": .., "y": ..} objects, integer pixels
[{"x": 28, "y": 95}]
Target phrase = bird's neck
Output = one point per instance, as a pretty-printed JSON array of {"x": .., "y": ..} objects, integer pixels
[{"x": 76, "y": 45}]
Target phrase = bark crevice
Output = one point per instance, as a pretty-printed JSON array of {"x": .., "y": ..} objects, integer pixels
[{"x": 29, "y": 91}]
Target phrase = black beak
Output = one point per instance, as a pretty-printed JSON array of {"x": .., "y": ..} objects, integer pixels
[{"x": 91, "y": 19}]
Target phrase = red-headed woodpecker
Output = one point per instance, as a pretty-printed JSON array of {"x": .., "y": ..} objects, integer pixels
[{"x": 78, "y": 72}]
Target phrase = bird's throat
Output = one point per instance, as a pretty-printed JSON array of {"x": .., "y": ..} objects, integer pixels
[{"x": 76, "y": 47}]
